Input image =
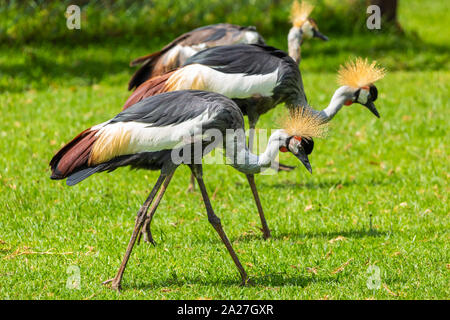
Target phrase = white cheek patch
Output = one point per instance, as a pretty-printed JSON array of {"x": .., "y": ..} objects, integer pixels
[
  {"x": 307, "y": 30},
  {"x": 363, "y": 96},
  {"x": 294, "y": 146}
]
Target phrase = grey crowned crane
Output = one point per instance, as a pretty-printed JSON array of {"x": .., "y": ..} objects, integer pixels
[
  {"x": 258, "y": 78},
  {"x": 303, "y": 27},
  {"x": 149, "y": 134},
  {"x": 179, "y": 50}
]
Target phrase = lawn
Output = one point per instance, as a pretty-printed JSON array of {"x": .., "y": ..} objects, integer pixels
[{"x": 377, "y": 199}]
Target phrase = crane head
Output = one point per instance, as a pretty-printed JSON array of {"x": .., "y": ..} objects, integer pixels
[
  {"x": 358, "y": 77},
  {"x": 300, "y": 128},
  {"x": 311, "y": 30},
  {"x": 365, "y": 96},
  {"x": 301, "y": 148},
  {"x": 307, "y": 30},
  {"x": 298, "y": 146},
  {"x": 303, "y": 27}
]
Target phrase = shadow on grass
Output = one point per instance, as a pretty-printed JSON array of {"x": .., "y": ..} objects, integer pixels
[
  {"x": 354, "y": 234},
  {"x": 91, "y": 67},
  {"x": 87, "y": 70},
  {"x": 281, "y": 279},
  {"x": 289, "y": 184},
  {"x": 258, "y": 281},
  {"x": 283, "y": 236}
]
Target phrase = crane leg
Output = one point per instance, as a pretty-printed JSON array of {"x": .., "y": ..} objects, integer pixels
[
  {"x": 253, "y": 119},
  {"x": 265, "y": 228},
  {"x": 146, "y": 232},
  {"x": 215, "y": 222},
  {"x": 191, "y": 187},
  {"x": 115, "y": 282}
]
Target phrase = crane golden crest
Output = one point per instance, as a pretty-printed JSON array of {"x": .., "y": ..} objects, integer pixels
[
  {"x": 303, "y": 122},
  {"x": 360, "y": 73},
  {"x": 300, "y": 12}
]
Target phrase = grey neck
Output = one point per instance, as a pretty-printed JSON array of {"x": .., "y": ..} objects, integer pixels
[
  {"x": 294, "y": 44},
  {"x": 243, "y": 160},
  {"x": 336, "y": 103}
]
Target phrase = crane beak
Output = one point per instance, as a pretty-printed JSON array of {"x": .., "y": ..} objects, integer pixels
[
  {"x": 302, "y": 156},
  {"x": 370, "y": 105},
  {"x": 317, "y": 34},
  {"x": 295, "y": 146}
]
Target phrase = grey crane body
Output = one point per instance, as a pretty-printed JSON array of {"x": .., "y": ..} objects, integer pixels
[
  {"x": 186, "y": 45},
  {"x": 142, "y": 136}
]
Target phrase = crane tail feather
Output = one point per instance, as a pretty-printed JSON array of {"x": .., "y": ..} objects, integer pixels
[
  {"x": 147, "y": 70},
  {"x": 82, "y": 174},
  {"x": 144, "y": 59},
  {"x": 74, "y": 156},
  {"x": 149, "y": 88}
]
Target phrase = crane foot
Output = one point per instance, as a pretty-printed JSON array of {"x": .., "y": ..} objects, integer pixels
[
  {"x": 147, "y": 237},
  {"x": 247, "y": 282},
  {"x": 115, "y": 284},
  {"x": 266, "y": 233},
  {"x": 283, "y": 167}
]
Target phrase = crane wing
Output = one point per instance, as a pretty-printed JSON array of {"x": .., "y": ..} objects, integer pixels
[
  {"x": 168, "y": 58},
  {"x": 251, "y": 59},
  {"x": 236, "y": 71},
  {"x": 159, "y": 123}
]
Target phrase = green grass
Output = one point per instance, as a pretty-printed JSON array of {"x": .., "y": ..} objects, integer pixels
[
  {"x": 40, "y": 20},
  {"x": 378, "y": 195}
]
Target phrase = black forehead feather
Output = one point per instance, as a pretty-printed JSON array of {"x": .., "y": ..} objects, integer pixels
[
  {"x": 373, "y": 92},
  {"x": 308, "y": 145}
]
